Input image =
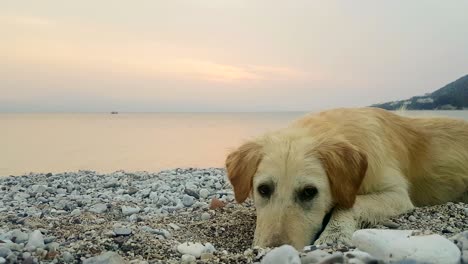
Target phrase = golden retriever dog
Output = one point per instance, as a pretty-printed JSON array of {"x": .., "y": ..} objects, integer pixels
[{"x": 330, "y": 173}]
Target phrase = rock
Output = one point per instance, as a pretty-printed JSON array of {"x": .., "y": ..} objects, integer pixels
[
  {"x": 192, "y": 193},
  {"x": 187, "y": 200},
  {"x": 67, "y": 257},
  {"x": 398, "y": 245},
  {"x": 39, "y": 188},
  {"x": 209, "y": 248},
  {"x": 216, "y": 203},
  {"x": 314, "y": 256},
  {"x": 174, "y": 226},
  {"x": 12, "y": 258},
  {"x": 188, "y": 259},
  {"x": 334, "y": 258},
  {"x": 390, "y": 224},
  {"x": 53, "y": 246},
  {"x": 19, "y": 237},
  {"x": 36, "y": 240},
  {"x": 194, "y": 249},
  {"x": 4, "y": 252},
  {"x": 99, "y": 208},
  {"x": 122, "y": 231},
  {"x": 76, "y": 212},
  {"x": 132, "y": 190},
  {"x": 2, "y": 260},
  {"x": 204, "y": 193},
  {"x": 361, "y": 255},
  {"x": 128, "y": 210},
  {"x": 412, "y": 218},
  {"x": 284, "y": 254},
  {"x": 105, "y": 258},
  {"x": 465, "y": 256},
  {"x": 205, "y": 216}
]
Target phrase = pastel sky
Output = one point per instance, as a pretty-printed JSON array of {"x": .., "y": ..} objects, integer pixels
[{"x": 220, "y": 55}]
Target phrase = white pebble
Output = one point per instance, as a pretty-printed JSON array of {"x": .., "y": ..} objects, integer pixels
[
  {"x": 284, "y": 254},
  {"x": 397, "y": 245},
  {"x": 187, "y": 259},
  {"x": 194, "y": 249}
]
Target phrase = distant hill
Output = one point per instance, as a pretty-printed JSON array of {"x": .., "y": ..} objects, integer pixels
[{"x": 450, "y": 97}]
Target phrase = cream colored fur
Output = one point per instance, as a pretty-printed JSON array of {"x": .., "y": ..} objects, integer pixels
[{"x": 367, "y": 164}]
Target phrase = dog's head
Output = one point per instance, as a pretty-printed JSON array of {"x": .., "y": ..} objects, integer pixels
[{"x": 294, "y": 182}]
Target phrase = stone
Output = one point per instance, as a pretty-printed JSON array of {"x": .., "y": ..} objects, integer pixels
[
  {"x": 19, "y": 237},
  {"x": 398, "y": 245},
  {"x": 361, "y": 255},
  {"x": 76, "y": 212},
  {"x": 2, "y": 260},
  {"x": 187, "y": 200},
  {"x": 4, "y": 251},
  {"x": 36, "y": 240},
  {"x": 334, "y": 258},
  {"x": 67, "y": 257},
  {"x": 205, "y": 216},
  {"x": 464, "y": 257},
  {"x": 216, "y": 203},
  {"x": 53, "y": 246},
  {"x": 105, "y": 258},
  {"x": 314, "y": 256},
  {"x": 390, "y": 224},
  {"x": 188, "y": 259},
  {"x": 209, "y": 248},
  {"x": 99, "y": 208},
  {"x": 190, "y": 248},
  {"x": 284, "y": 254},
  {"x": 204, "y": 193},
  {"x": 122, "y": 231},
  {"x": 412, "y": 218},
  {"x": 128, "y": 210},
  {"x": 174, "y": 226},
  {"x": 192, "y": 193}
]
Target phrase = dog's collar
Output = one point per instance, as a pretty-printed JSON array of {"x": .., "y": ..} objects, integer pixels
[{"x": 325, "y": 221}]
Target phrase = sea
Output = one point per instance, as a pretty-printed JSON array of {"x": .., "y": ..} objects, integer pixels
[{"x": 105, "y": 142}]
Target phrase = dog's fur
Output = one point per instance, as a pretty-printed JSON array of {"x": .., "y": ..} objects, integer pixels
[{"x": 367, "y": 164}]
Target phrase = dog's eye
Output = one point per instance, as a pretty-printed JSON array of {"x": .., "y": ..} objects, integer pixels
[
  {"x": 308, "y": 193},
  {"x": 264, "y": 190}
]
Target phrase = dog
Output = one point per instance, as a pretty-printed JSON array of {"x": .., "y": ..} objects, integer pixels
[{"x": 330, "y": 173}]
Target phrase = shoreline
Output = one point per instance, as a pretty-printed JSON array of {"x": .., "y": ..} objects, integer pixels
[{"x": 145, "y": 217}]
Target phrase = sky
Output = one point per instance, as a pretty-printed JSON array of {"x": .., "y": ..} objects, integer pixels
[{"x": 219, "y": 55}]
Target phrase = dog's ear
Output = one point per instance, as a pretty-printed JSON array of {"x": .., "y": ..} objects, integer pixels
[
  {"x": 241, "y": 166},
  {"x": 346, "y": 167}
]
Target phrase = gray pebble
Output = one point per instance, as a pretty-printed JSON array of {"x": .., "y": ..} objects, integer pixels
[
  {"x": 4, "y": 251},
  {"x": 205, "y": 216},
  {"x": 67, "y": 257},
  {"x": 128, "y": 210},
  {"x": 2, "y": 260},
  {"x": 99, "y": 208},
  {"x": 122, "y": 231},
  {"x": 204, "y": 193},
  {"x": 334, "y": 258},
  {"x": 187, "y": 200},
  {"x": 192, "y": 193},
  {"x": 36, "y": 240},
  {"x": 390, "y": 224},
  {"x": 412, "y": 218}
]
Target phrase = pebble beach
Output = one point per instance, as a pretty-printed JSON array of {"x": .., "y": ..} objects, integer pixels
[{"x": 189, "y": 216}]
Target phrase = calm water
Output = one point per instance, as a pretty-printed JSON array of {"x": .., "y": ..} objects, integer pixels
[{"x": 132, "y": 142}]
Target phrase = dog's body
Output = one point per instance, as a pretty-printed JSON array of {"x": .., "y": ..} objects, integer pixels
[{"x": 363, "y": 165}]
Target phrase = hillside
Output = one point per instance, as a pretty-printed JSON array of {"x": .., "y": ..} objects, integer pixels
[{"x": 450, "y": 97}]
